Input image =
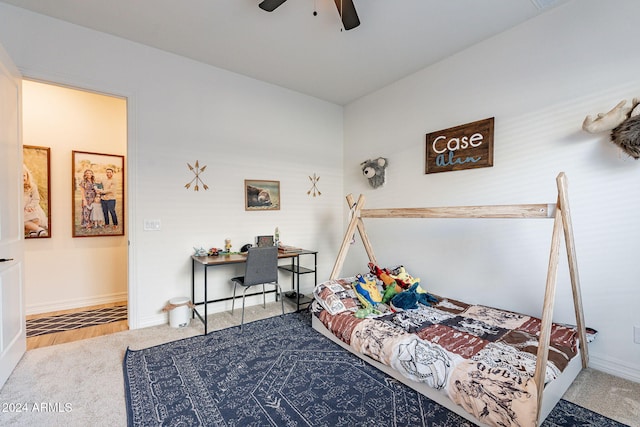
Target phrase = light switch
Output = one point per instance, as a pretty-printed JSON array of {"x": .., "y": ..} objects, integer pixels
[{"x": 151, "y": 225}]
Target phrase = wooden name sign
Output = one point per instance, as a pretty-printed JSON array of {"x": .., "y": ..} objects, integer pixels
[{"x": 462, "y": 147}]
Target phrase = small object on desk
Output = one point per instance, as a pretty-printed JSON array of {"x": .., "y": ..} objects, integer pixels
[
  {"x": 214, "y": 252},
  {"x": 285, "y": 249},
  {"x": 200, "y": 251},
  {"x": 263, "y": 241},
  {"x": 245, "y": 248},
  {"x": 227, "y": 245}
]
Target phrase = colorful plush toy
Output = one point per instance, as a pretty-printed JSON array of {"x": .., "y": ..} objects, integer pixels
[
  {"x": 387, "y": 281},
  {"x": 401, "y": 290},
  {"x": 368, "y": 288},
  {"x": 368, "y": 307},
  {"x": 364, "y": 312},
  {"x": 390, "y": 292},
  {"x": 381, "y": 274},
  {"x": 411, "y": 297},
  {"x": 403, "y": 278}
]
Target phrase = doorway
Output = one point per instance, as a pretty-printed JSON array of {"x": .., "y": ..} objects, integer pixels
[{"x": 64, "y": 273}]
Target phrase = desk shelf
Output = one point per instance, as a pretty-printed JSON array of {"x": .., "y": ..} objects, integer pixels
[
  {"x": 296, "y": 269},
  {"x": 294, "y": 297},
  {"x": 291, "y": 297}
]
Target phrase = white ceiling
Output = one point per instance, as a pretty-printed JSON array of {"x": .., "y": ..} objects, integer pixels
[{"x": 291, "y": 47}]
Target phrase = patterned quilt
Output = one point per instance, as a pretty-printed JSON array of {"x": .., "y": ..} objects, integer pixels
[{"x": 483, "y": 358}]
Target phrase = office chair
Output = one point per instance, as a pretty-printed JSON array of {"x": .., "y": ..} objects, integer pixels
[{"x": 261, "y": 268}]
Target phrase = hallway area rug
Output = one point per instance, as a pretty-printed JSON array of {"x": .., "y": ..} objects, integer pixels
[
  {"x": 70, "y": 321},
  {"x": 281, "y": 372}
]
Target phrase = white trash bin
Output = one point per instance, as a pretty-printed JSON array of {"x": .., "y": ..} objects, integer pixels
[{"x": 179, "y": 316}]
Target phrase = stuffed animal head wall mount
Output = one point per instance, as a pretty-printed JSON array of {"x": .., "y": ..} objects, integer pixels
[
  {"x": 624, "y": 123},
  {"x": 374, "y": 170}
]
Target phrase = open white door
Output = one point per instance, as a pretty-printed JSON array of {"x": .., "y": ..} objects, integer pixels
[{"x": 13, "y": 341}]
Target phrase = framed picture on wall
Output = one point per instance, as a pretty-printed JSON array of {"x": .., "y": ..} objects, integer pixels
[
  {"x": 98, "y": 194},
  {"x": 36, "y": 179},
  {"x": 261, "y": 195}
]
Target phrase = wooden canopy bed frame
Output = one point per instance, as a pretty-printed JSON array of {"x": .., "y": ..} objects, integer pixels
[{"x": 560, "y": 213}]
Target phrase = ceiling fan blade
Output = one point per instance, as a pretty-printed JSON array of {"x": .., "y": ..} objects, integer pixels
[
  {"x": 348, "y": 13},
  {"x": 270, "y": 5}
]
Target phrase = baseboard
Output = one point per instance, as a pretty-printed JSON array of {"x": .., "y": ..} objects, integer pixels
[
  {"x": 615, "y": 367},
  {"x": 75, "y": 303},
  {"x": 155, "y": 320}
]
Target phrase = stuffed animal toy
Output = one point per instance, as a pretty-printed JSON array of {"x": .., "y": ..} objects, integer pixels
[
  {"x": 411, "y": 297},
  {"x": 389, "y": 284},
  {"x": 368, "y": 289},
  {"x": 390, "y": 292},
  {"x": 366, "y": 301},
  {"x": 381, "y": 274},
  {"x": 403, "y": 278},
  {"x": 364, "y": 312},
  {"x": 374, "y": 170}
]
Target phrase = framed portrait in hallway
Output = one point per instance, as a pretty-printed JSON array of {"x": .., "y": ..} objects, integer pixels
[
  {"x": 98, "y": 194},
  {"x": 36, "y": 180}
]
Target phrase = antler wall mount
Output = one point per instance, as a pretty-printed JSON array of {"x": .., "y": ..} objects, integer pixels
[{"x": 623, "y": 121}]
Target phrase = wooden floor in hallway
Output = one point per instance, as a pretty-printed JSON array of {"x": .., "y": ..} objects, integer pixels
[{"x": 75, "y": 334}]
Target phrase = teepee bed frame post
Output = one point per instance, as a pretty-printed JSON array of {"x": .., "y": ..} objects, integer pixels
[{"x": 560, "y": 212}]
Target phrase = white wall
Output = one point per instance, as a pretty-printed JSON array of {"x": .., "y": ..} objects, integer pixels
[
  {"x": 181, "y": 111},
  {"x": 63, "y": 272},
  {"x": 539, "y": 81}
]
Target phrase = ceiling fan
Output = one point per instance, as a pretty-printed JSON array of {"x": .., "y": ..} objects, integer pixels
[{"x": 346, "y": 9}]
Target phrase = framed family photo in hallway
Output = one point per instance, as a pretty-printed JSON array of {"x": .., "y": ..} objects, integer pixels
[
  {"x": 98, "y": 194},
  {"x": 36, "y": 180}
]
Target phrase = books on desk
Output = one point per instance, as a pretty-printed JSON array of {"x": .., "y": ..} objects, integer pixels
[{"x": 285, "y": 249}]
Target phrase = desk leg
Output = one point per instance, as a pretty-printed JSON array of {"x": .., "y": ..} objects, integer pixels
[
  {"x": 293, "y": 280},
  {"x": 193, "y": 286},
  {"x": 315, "y": 272},
  {"x": 206, "y": 319},
  {"x": 298, "y": 283}
]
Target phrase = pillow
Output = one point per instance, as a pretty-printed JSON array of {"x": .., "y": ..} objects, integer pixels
[{"x": 337, "y": 296}]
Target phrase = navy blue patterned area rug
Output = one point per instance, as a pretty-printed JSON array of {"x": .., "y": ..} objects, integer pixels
[{"x": 281, "y": 372}]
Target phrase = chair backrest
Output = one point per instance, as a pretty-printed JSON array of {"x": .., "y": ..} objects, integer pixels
[{"x": 261, "y": 266}]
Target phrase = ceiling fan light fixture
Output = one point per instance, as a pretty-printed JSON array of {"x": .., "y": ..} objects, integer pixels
[
  {"x": 348, "y": 14},
  {"x": 270, "y": 5},
  {"x": 346, "y": 9}
]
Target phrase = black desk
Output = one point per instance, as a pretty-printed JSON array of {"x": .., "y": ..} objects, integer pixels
[{"x": 212, "y": 261}]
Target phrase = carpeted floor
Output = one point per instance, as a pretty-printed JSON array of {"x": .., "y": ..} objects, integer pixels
[
  {"x": 281, "y": 372},
  {"x": 82, "y": 319}
]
